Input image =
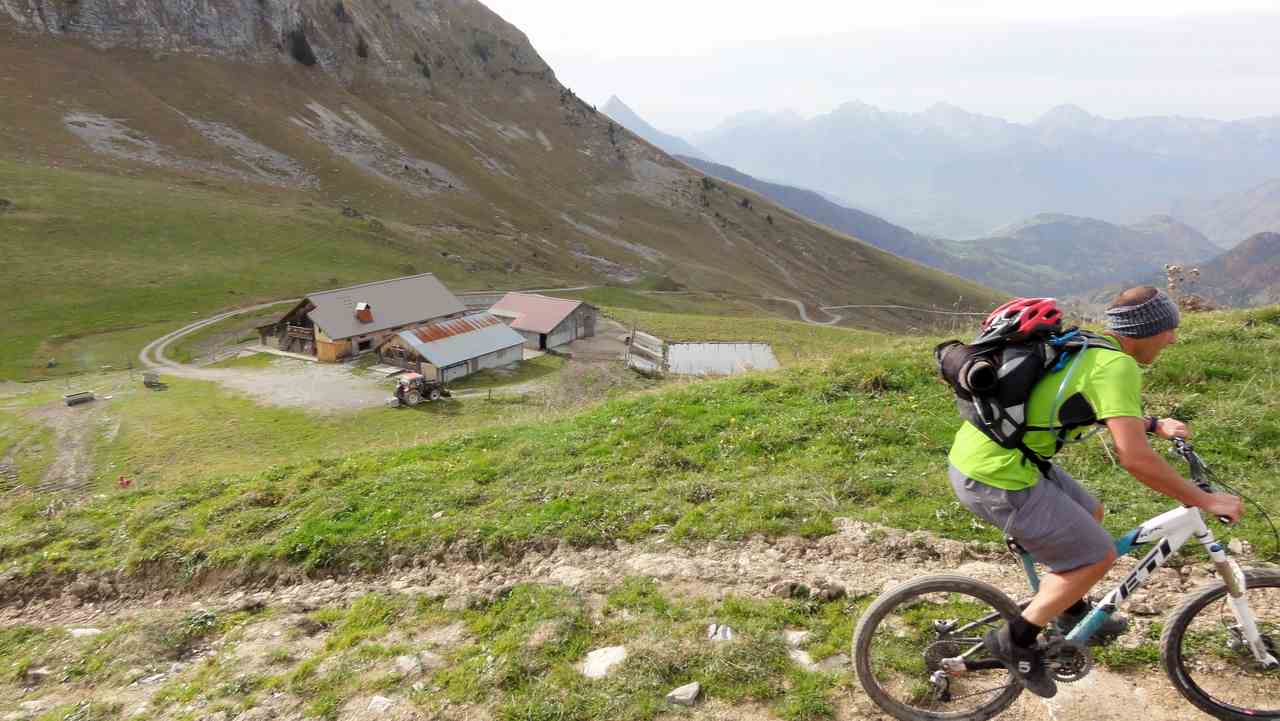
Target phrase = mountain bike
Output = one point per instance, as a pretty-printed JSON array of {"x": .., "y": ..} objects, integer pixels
[{"x": 918, "y": 649}]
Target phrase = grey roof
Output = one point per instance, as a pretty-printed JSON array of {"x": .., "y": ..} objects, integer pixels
[
  {"x": 395, "y": 302},
  {"x": 448, "y": 342}
]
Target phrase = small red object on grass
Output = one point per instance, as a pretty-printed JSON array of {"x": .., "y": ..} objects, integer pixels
[{"x": 124, "y": 482}]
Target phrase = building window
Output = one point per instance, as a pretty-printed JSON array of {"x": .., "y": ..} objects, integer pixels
[{"x": 364, "y": 345}]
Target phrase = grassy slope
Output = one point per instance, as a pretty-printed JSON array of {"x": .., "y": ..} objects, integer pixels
[
  {"x": 106, "y": 264},
  {"x": 149, "y": 247},
  {"x": 863, "y": 435}
]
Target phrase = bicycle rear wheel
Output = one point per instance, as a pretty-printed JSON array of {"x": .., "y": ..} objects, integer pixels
[
  {"x": 905, "y": 634},
  {"x": 1203, "y": 654}
]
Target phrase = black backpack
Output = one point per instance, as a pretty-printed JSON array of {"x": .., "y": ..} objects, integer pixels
[{"x": 993, "y": 380}]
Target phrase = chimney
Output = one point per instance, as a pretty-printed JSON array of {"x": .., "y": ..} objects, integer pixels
[{"x": 364, "y": 312}]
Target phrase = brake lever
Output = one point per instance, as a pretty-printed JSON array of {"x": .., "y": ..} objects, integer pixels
[{"x": 1199, "y": 470}]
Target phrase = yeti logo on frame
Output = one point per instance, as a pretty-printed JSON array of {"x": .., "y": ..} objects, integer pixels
[{"x": 1144, "y": 569}]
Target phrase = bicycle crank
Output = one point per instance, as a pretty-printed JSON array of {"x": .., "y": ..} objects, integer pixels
[{"x": 1068, "y": 661}]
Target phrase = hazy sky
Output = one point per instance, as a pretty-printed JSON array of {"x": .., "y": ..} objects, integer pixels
[{"x": 688, "y": 64}]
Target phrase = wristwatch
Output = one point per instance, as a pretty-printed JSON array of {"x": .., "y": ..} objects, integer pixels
[{"x": 1152, "y": 424}]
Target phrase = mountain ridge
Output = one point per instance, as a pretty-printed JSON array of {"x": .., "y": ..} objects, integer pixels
[
  {"x": 668, "y": 143},
  {"x": 948, "y": 172}
]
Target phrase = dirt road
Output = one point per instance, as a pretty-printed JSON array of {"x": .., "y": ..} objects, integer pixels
[{"x": 865, "y": 559}]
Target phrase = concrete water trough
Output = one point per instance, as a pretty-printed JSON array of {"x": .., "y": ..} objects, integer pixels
[{"x": 719, "y": 358}]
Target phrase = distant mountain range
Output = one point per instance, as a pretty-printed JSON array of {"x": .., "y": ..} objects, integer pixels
[
  {"x": 1246, "y": 275},
  {"x": 1049, "y": 254},
  {"x": 1228, "y": 218},
  {"x": 952, "y": 173},
  {"x": 627, "y": 118}
]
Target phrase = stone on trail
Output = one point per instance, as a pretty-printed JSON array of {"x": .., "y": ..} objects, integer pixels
[
  {"x": 834, "y": 664},
  {"x": 430, "y": 661},
  {"x": 408, "y": 665},
  {"x": 380, "y": 704},
  {"x": 85, "y": 632},
  {"x": 718, "y": 632},
  {"x": 795, "y": 638},
  {"x": 686, "y": 695},
  {"x": 602, "y": 660},
  {"x": 802, "y": 659}
]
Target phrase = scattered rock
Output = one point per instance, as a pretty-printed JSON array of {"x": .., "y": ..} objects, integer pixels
[
  {"x": 802, "y": 659},
  {"x": 430, "y": 661},
  {"x": 501, "y": 592},
  {"x": 408, "y": 665},
  {"x": 242, "y": 603},
  {"x": 718, "y": 632},
  {"x": 83, "y": 588},
  {"x": 789, "y": 589},
  {"x": 832, "y": 664},
  {"x": 795, "y": 638},
  {"x": 602, "y": 660},
  {"x": 155, "y": 678},
  {"x": 85, "y": 632},
  {"x": 5, "y": 205},
  {"x": 301, "y": 605},
  {"x": 445, "y": 635},
  {"x": 308, "y": 625},
  {"x": 952, "y": 552},
  {"x": 35, "y": 706},
  {"x": 256, "y": 714},
  {"x": 1238, "y": 547},
  {"x": 349, "y": 212},
  {"x": 830, "y": 591},
  {"x": 380, "y": 704},
  {"x": 37, "y": 676},
  {"x": 686, "y": 695},
  {"x": 569, "y": 576},
  {"x": 460, "y": 602},
  {"x": 398, "y": 561}
]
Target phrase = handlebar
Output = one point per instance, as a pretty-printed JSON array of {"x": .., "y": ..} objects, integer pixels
[{"x": 1200, "y": 472}]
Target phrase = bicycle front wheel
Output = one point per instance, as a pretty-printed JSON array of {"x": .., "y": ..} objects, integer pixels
[
  {"x": 904, "y": 636},
  {"x": 1204, "y": 654}
]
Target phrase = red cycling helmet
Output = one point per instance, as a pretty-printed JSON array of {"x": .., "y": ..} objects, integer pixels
[{"x": 1022, "y": 318}]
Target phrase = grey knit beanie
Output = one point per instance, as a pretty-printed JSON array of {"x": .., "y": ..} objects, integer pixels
[{"x": 1144, "y": 320}]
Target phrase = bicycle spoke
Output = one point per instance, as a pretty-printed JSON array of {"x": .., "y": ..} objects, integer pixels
[
  {"x": 908, "y": 647},
  {"x": 1216, "y": 660}
]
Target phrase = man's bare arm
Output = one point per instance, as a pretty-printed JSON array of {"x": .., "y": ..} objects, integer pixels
[{"x": 1139, "y": 459}]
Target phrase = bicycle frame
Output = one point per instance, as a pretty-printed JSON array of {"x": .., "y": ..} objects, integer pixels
[{"x": 1169, "y": 531}]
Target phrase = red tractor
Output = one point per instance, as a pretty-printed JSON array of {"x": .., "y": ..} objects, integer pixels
[{"x": 413, "y": 388}]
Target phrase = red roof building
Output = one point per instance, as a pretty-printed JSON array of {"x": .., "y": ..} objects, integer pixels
[{"x": 546, "y": 322}]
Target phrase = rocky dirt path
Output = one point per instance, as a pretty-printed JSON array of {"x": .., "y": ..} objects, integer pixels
[{"x": 861, "y": 558}]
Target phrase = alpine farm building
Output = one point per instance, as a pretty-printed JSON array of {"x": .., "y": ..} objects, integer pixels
[
  {"x": 546, "y": 322},
  {"x": 333, "y": 325},
  {"x": 447, "y": 350}
]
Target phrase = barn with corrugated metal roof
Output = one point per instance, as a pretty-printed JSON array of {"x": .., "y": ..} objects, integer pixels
[
  {"x": 451, "y": 349},
  {"x": 546, "y": 322}
]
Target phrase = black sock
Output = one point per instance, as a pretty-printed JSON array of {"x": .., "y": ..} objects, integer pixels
[
  {"x": 1024, "y": 632},
  {"x": 1080, "y": 608}
]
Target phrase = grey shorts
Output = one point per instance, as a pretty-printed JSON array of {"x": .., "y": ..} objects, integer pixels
[{"x": 1053, "y": 519}]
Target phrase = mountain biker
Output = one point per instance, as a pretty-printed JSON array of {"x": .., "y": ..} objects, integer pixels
[{"x": 1051, "y": 515}]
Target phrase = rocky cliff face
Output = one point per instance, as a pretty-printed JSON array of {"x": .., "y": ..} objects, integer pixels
[{"x": 422, "y": 42}]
